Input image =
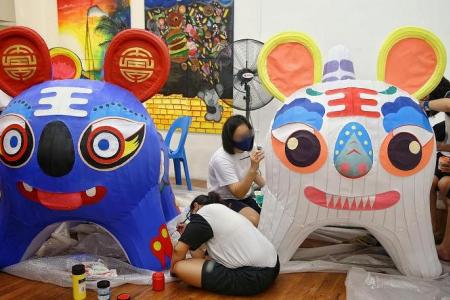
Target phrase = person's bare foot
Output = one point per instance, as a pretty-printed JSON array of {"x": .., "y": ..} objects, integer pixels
[{"x": 443, "y": 253}]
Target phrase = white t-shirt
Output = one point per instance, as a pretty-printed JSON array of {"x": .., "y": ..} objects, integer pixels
[
  {"x": 236, "y": 242},
  {"x": 225, "y": 169}
]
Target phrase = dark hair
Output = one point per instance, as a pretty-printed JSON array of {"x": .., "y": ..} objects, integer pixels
[
  {"x": 439, "y": 92},
  {"x": 211, "y": 198},
  {"x": 228, "y": 131}
]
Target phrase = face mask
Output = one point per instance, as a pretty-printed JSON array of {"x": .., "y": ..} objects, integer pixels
[{"x": 246, "y": 144}]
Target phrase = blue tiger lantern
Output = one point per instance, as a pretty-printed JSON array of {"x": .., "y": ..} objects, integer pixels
[{"x": 84, "y": 150}]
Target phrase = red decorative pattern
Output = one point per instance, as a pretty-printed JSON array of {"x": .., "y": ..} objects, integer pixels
[
  {"x": 353, "y": 103},
  {"x": 374, "y": 202},
  {"x": 24, "y": 60},
  {"x": 161, "y": 246},
  {"x": 138, "y": 61}
]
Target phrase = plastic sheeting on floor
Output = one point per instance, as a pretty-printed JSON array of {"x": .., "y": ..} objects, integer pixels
[
  {"x": 57, "y": 270},
  {"x": 85, "y": 243},
  {"x": 76, "y": 242},
  {"x": 365, "y": 285},
  {"x": 353, "y": 250}
]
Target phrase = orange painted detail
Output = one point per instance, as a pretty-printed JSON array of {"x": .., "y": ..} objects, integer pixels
[
  {"x": 279, "y": 149},
  {"x": 290, "y": 67},
  {"x": 427, "y": 150},
  {"x": 410, "y": 64}
]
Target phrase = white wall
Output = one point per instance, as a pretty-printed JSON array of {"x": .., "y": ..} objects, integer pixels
[
  {"x": 358, "y": 24},
  {"x": 42, "y": 16},
  {"x": 361, "y": 25},
  {"x": 7, "y": 12}
]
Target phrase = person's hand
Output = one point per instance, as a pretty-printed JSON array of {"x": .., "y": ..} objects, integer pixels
[
  {"x": 422, "y": 104},
  {"x": 444, "y": 164},
  {"x": 171, "y": 272},
  {"x": 426, "y": 98},
  {"x": 422, "y": 101},
  {"x": 181, "y": 227},
  {"x": 256, "y": 157},
  {"x": 442, "y": 147}
]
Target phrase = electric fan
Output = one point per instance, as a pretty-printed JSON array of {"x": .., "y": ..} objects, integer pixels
[{"x": 248, "y": 92}]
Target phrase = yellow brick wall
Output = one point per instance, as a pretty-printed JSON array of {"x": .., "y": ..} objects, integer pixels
[{"x": 165, "y": 109}]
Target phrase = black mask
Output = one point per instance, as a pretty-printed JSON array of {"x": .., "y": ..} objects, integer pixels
[{"x": 246, "y": 144}]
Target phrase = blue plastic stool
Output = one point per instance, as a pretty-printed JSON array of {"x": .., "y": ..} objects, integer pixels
[{"x": 179, "y": 154}]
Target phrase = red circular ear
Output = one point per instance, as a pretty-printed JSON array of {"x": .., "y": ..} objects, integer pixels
[
  {"x": 24, "y": 60},
  {"x": 138, "y": 61}
]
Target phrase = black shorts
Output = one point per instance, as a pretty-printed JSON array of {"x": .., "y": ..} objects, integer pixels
[
  {"x": 438, "y": 173},
  {"x": 237, "y": 205},
  {"x": 244, "y": 281}
]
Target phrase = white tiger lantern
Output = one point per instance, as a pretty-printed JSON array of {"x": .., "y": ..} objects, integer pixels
[{"x": 353, "y": 152}]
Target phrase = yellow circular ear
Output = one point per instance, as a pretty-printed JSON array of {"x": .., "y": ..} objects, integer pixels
[
  {"x": 288, "y": 62},
  {"x": 413, "y": 59}
]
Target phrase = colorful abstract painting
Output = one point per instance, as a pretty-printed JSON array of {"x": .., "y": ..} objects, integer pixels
[
  {"x": 195, "y": 32},
  {"x": 87, "y": 26}
]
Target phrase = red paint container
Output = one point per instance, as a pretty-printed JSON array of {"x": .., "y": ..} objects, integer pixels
[
  {"x": 124, "y": 296},
  {"x": 158, "y": 281}
]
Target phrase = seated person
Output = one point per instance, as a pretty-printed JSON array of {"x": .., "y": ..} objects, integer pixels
[
  {"x": 241, "y": 260},
  {"x": 440, "y": 185},
  {"x": 441, "y": 180},
  {"x": 232, "y": 169},
  {"x": 437, "y": 101}
]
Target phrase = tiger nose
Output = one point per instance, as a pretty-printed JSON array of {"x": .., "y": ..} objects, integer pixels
[
  {"x": 56, "y": 154},
  {"x": 353, "y": 154}
]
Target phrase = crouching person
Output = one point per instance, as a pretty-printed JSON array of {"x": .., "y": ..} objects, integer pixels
[{"x": 241, "y": 261}]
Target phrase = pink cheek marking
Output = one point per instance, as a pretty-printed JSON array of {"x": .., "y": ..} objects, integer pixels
[
  {"x": 362, "y": 168},
  {"x": 345, "y": 168}
]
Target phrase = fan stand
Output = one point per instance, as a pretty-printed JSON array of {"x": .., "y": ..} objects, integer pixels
[
  {"x": 248, "y": 101},
  {"x": 246, "y": 77}
]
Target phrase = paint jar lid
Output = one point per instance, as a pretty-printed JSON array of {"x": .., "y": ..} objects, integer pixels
[
  {"x": 78, "y": 269},
  {"x": 158, "y": 275},
  {"x": 124, "y": 296},
  {"x": 103, "y": 284}
]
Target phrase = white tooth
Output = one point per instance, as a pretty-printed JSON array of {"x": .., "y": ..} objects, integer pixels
[
  {"x": 350, "y": 201},
  {"x": 344, "y": 199},
  {"x": 329, "y": 199},
  {"x": 27, "y": 187},
  {"x": 91, "y": 192},
  {"x": 333, "y": 201},
  {"x": 358, "y": 201},
  {"x": 365, "y": 199},
  {"x": 372, "y": 201}
]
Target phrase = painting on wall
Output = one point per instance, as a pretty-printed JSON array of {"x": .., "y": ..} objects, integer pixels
[
  {"x": 195, "y": 32},
  {"x": 86, "y": 27}
]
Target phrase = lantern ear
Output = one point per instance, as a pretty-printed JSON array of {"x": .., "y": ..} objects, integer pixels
[
  {"x": 65, "y": 64},
  {"x": 24, "y": 60},
  {"x": 288, "y": 62},
  {"x": 138, "y": 61},
  {"x": 412, "y": 59}
]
